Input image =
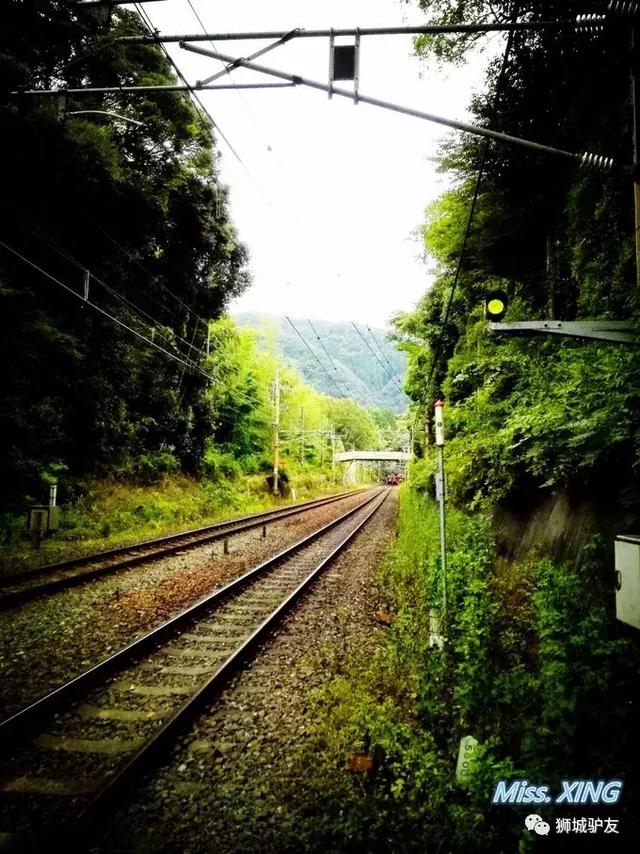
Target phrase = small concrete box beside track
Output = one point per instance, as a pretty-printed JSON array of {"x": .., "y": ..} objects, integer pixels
[
  {"x": 43, "y": 517},
  {"x": 628, "y": 579}
]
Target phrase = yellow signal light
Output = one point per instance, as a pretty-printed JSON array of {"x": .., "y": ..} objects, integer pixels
[{"x": 495, "y": 305}]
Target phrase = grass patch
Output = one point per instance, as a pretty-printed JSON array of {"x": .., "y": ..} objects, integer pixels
[
  {"x": 113, "y": 513},
  {"x": 535, "y": 668}
]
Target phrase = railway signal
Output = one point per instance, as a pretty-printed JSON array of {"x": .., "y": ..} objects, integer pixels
[
  {"x": 614, "y": 331},
  {"x": 495, "y": 305}
]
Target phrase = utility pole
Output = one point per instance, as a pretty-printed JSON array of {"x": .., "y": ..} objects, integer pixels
[
  {"x": 440, "y": 495},
  {"x": 301, "y": 435},
  {"x": 276, "y": 433},
  {"x": 333, "y": 454},
  {"x": 635, "y": 104}
]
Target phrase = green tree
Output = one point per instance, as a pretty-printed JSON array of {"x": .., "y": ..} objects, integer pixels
[
  {"x": 138, "y": 205},
  {"x": 355, "y": 426}
]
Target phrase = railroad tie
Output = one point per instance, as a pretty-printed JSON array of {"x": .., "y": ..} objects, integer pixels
[
  {"x": 26, "y": 785},
  {"x": 125, "y": 715},
  {"x": 153, "y": 690},
  {"x": 196, "y": 670},
  {"x": 89, "y": 745}
]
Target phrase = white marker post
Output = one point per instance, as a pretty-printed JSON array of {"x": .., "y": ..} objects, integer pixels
[{"x": 440, "y": 495}]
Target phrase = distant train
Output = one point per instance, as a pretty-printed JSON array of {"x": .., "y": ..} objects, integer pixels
[{"x": 395, "y": 479}]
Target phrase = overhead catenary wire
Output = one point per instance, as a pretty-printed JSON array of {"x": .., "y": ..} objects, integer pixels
[
  {"x": 328, "y": 355},
  {"x": 385, "y": 357},
  {"x": 239, "y": 91},
  {"x": 207, "y": 122},
  {"x": 193, "y": 366},
  {"x": 314, "y": 354},
  {"x": 243, "y": 100},
  {"x": 373, "y": 352}
]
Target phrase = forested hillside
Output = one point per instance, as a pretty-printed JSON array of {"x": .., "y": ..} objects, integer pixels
[{"x": 358, "y": 363}]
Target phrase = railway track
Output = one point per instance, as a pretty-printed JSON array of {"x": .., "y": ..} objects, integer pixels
[
  {"x": 30, "y": 584},
  {"x": 74, "y": 751}
]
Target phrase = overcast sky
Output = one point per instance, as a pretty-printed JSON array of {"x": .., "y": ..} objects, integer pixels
[{"x": 330, "y": 194}]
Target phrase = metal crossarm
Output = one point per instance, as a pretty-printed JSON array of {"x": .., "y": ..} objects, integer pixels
[
  {"x": 620, "y": 331},
  {"x": 585, "y": 159}
]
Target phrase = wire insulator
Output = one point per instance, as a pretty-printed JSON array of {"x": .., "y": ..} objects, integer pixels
[
  {"x": 591, "y": 23},
  {"x": 596, "y": 162},
  {"x": 624, "y": 7}
]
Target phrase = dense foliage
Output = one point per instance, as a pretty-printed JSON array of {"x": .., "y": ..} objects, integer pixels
[
  {"x": 533, "y": 668},
  {"x": 138, "y": 205},
  {"x": 534, "y": 413},
  {"x": 534, "y": 664},
  {"x": 142, "y": 379}
]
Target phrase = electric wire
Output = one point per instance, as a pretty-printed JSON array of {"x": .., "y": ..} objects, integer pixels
[
  {"x": 314, "y": 354},
  {"x": 57, "y": 247},
  {"x": 153, "y": 278},
  {"x": 386, "y": 358},
  {"x": 178, "y": 358},
  {"x": 244, "y": 101},
  {"x": 355, "y": 395},
  {"x": 99, "y": 309},
  {"x": 155, "y": 324},
  {"x": 200, "y": 108},
  {"x": 331, "y": 362},
  {"x": 181, "y": 358},
  {"x": 207, "y": 123},
  {"x": 41, "y": 234},
  {"x": 373, "y": 352}
]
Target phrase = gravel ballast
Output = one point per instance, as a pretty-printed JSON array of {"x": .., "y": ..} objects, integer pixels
[
  {"x": 222, "y": 788},
  {"x": 45, "y": 642}
]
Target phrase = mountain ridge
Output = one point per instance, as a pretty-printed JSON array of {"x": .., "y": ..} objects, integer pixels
[{"x": 334, "y": 357}]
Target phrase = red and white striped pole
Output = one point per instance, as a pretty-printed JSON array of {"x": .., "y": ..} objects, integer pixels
[{"x": 441, "y": 496}]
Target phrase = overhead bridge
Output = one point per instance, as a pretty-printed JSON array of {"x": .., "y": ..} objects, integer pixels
[
  {"x": 372, "y": 456},
  {"x": 355, "y": 458}
]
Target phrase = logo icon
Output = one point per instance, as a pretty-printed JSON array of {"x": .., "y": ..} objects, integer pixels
[{"x": 536, "y": 823}]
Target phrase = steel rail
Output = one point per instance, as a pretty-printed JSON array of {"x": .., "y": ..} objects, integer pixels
[
  {"x": 118, "y": 550},
  {"x": 166, "y": 546},
  {"x": 73, "y": 831},
  {"x": 15, "y": 725},
  {"x": 120, "y": 782}
]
